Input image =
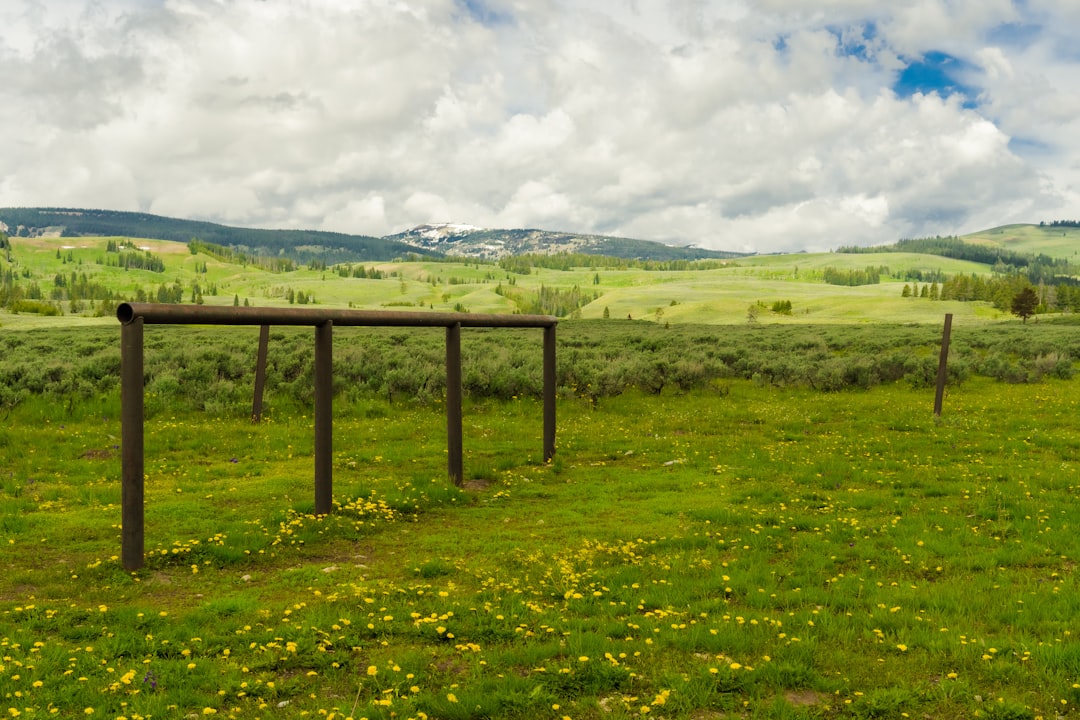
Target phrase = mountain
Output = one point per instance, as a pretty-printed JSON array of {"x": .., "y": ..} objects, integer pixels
[
  {"x": 469, "y": 241},
  {"x": 450, "y": 240},
  {"x": 301, "y": 245}
]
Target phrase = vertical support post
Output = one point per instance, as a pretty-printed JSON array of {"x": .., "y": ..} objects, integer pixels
[
  {"x": 943, "y": 365},
  {"x": 549, "y": 393},
  {"x": 453, "y": 404},
  {"x": 324, "y": 417},
  {"x": 131, "y": 442},
  {"x": 260, "y": 374}
]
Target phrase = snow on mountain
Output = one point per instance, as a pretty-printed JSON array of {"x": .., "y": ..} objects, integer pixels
[{"x": 461, "y": 240}]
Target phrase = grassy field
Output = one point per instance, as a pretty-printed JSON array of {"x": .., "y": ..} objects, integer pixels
[
  {"x": 1057, "y": 242},
  {"x": 722, "y": 532},
  {"x": 718, "y": 296},
  {"x": 755, "y": 553}
]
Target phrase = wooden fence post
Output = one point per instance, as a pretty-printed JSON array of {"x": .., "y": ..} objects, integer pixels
[
  {"x": 943, "y": 365},
  {"x": 260, "y": 374}
]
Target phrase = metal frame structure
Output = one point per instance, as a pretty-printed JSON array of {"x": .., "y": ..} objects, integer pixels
[{"x": 133, "y": 316}]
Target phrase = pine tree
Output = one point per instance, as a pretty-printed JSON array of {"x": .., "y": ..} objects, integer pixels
[{"x": 1024, "y": 303}]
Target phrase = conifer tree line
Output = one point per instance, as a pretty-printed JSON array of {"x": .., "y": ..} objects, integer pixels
[
  {"x": 548, "y": 300},
  {"x": 866, "y": 276},
  {"x": 524, "y": 263},
  {"x": 999, "y": 291}
]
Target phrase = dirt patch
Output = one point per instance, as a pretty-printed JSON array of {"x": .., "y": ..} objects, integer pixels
[
  {"x": 451, "y": 666},
  {"x": 804, "y": 698},
  {"x": 96, "y": 454},
  {"x": 477, "y": 485},
  {"x": 19, "y": 593}
]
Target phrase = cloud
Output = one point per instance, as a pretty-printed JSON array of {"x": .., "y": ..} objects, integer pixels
[{"x": 773, "y": 125}]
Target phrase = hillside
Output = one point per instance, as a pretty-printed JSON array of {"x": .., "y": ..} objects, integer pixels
[
  {"x": 300, "y": 245},
  {"x": 467, "y": 241},
  {"x": 305, "y": 246},
  {"x": 45, "y": 281},
  {"x": 1057, "y": 241}
]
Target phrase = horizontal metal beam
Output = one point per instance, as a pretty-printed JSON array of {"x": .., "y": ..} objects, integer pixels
[{"x": 162, "y": 314}]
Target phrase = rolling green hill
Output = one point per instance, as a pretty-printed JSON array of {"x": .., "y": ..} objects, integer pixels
[
  {"x": 78, "y": 280},
  {"x": 300, "y": 245},
  {"x": 1055, "y": 241},
  {"x": 307, "y": 246}
]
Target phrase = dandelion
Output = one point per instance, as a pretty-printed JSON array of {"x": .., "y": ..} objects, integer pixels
[
  {"x": 451, "y": 697},
  {"x": 372, "y": 670}
]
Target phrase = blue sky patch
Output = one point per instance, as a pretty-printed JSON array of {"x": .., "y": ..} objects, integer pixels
[
  {"x": 936, "y": 72},
  {"x": 1019, "y": 35},
  {"x": 855, "y": 41},
  {"x": 1026, "y": 147},
  {"x": 483, "y": 13}
]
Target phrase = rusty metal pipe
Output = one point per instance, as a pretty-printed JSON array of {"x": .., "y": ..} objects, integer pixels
[
  {"x": 549, "y": 392},
  {"x": 454, "y": 459},
  {"x": 134, "y": 316},
  {"x": 131, "y": 444},
  {"x": 162, "y": 314},
  {"x": 324, "y": 418},
  {"x": 260, "y": 373}
]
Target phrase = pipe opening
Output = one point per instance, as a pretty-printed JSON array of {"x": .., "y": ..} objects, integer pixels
[{"x": 125, "y": 313}]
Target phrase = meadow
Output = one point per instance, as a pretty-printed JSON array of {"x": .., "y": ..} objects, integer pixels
[
  {"x": 720, "y": 295},
  {"x": 749, "y": 514},
  {"x": 1054, "y": 241},
  {"x": 755, "y": 552}
]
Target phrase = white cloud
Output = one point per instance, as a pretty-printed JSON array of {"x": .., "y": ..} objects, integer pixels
[{"x": 720, "y": 123}]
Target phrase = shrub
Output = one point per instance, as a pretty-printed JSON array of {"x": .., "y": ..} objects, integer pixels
[{"x": 39, "y": 307}]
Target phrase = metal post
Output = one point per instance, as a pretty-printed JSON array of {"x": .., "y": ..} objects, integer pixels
[
  {"x": 453, "y": 404},
  {"x": 324, "y": 417},
  {"x": 943, "y": 363},
  {"x": 133, "y": 316},
  {"x": 260, "y": 374},
  {"x": 131, "y": 441},
  {"x": 549, "y": 392}
]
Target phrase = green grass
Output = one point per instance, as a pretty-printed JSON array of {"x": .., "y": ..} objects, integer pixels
[
  {"x": 1057, "y": 242},
  {"x": 718, "y": 296},
  {"x": 761, "y": 553}
]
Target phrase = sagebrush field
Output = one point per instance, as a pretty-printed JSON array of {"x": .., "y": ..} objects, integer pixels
[
  {"x": 750, "y": 513},
  {"x": 750, "y": 552}
]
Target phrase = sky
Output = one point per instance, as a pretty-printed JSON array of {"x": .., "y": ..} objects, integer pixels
[{"x": 753, "y": 126}]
